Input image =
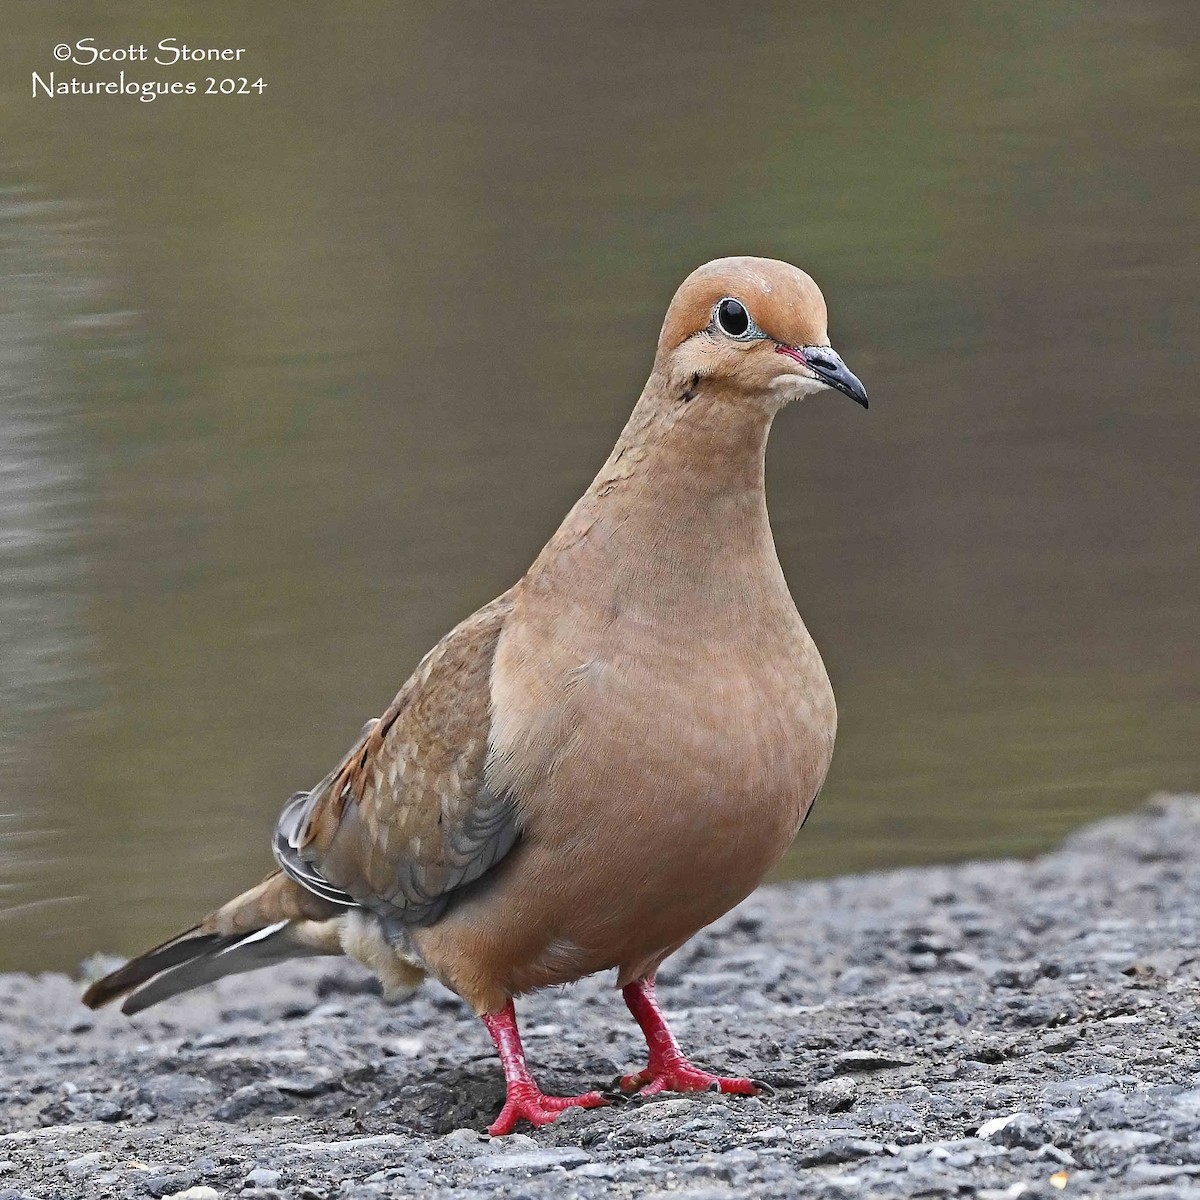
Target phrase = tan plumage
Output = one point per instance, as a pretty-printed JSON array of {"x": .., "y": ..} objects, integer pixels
[{"x": 610, "y": 755}]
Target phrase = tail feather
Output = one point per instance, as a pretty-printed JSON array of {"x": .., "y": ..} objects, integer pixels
[
  {"x": 269, "y": 924},
  {"x": 265, "y": 948},
  {"x": 181, "y": 949}
]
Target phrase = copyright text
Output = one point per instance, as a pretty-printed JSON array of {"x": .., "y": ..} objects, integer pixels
[{"x": 167, "y": 53}]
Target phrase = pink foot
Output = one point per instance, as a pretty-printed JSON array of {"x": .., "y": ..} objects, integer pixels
[
  {"x": 526, "y": 1102},
  {"x": 668, "y": 1070},
  {"x": 681, "y": 1076}
]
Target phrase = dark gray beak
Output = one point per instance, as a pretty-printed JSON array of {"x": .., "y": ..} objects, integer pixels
[{"x": 826, "y": 364}]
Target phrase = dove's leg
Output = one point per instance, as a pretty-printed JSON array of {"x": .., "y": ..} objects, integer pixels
[
  {"x": 525, "y": 1099},
  {"x": 668, "y": 1070}
]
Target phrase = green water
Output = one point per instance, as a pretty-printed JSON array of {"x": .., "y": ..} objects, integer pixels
[{"x": 291, "y": 382}]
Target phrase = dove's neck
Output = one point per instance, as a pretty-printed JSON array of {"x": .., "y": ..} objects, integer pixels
[{"x": 680, "y": 505}]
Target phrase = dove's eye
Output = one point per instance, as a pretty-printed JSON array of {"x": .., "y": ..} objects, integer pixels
[{"x": 732, "y": 318}]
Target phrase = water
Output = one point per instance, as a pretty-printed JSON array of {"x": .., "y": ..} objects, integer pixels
[{"x": 293, "y": 382}]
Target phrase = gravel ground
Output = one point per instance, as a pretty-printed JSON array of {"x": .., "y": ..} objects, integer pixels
[{"x": 995, "y": 1029}]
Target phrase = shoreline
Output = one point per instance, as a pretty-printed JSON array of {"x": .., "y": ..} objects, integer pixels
[{"x": 992, "y": 1028}]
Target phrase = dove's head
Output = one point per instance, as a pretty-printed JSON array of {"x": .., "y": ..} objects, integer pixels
[{"x": 754, "y": 326}]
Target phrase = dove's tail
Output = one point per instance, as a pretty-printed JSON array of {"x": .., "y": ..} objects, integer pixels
[{"x": 269, "y": 924}]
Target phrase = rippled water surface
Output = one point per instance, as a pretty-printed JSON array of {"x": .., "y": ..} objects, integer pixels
[{"x": 290, "y": 383}]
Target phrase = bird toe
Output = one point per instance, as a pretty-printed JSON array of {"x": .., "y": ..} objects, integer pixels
[
  {"x": 532, "y": 1105},
  {"x": 683, "y": 1077}
]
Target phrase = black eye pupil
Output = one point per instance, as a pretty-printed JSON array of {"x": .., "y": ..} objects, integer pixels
[{"x": 732, "y": 318}]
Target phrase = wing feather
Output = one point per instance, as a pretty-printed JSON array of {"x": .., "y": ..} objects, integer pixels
[{"x": 407, "y": 818}]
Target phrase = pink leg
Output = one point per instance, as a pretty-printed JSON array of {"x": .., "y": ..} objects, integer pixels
[
  {"x": 525, "y": 1098},
  {"x": 668, "y": 1070}
]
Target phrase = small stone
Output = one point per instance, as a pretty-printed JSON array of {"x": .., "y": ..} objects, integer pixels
[
  {"x": 893, "y": 1113},
  {"x": 328, "y": 1010},
  {"x": 1056, "y": 1154},
  {"x": 1012, "y": 1192},
  {"x": 925, "y": 940},
  {"x": 853, "y": 981},
  {"x": 261, "y": 1177},
  {"x": 405, "y": 1047},
  {"x": 1145, "y": 1172},
  {"x": 678, "y": 1107},
  {"x": 1012, "y": 974},
  {"x": 201, "y": 1192},
  {"x": 105, "y": 1110},
  {"x": 465, "y": 1141},
  {"x": 254, "y": 1097},
  {"x": 87, "y": 1164},
  {"x": 598, "y": 1170},
  {"x": 840, "y": 1150},
  {"x": 536, "y": 1162},
  {"x": 514, "y": 1142},
  {"x": 1017, "y": 1130},
  {"x": 956, "y": 1150},
  {"x": 165, "y": 1185},
  {"x": 174, "y": 1094},
  {"x": 310, "y": 1082},
  {"x": 739, "y": 1157},
  {"x": 774, "y": 1133},
  {"x": 851, "y": 1061},
  {"x": 996, "y": 1124},
  {"x": 1120, "y": 1139},
  {"x": 1078, "y": 1086},
  {"x": 833, "y": 1095},
  {"x": 79, "y": 1106},
  {"x": 986, "y": 1049}
]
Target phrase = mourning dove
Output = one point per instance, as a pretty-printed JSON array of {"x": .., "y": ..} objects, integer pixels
[{"x": 602, "y": 760}]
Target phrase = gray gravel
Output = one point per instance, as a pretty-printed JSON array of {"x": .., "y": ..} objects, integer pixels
[{"x": 995, "y": 1029}]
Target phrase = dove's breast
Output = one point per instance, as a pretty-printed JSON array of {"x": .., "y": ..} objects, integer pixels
[{"x": 659, "y": 775}]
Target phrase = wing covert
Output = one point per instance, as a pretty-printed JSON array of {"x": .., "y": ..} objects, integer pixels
[{"x": 408, "y": 817}]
